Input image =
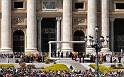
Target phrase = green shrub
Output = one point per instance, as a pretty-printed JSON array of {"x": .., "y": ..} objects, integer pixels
[
  {"x": 102, "y": 68},
  {"x": 7, "y": 65},
  {"x": 31, "y": 66},
  {"x": 120, "y": 66},
  {"x": 113, "y": 66},
  {"x": 42, "y": 67},
  {"x": 56, "y": 67}
]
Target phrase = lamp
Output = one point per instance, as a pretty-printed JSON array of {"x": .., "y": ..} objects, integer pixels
[{"x": 97, "y": 44}]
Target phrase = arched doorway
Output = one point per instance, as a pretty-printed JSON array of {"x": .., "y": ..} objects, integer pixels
[
  {"x": 48, "y": 33},
  {"x": 79, "y": 36},
  {"x": 18, "y": 41},
  {"x": 118, "y": 34}
]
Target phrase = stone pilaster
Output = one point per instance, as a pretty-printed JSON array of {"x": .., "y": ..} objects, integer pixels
[
  {"x": 67, "y": 26},
  {"x": 92, "y": 22},
  {"x": 31, "y": 26},
  {"x": 112, "y": 34},
  {"x": 6, "y": 27},
  {"x": 39, "y": 33}
]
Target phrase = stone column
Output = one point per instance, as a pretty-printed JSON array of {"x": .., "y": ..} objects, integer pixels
[
  {"x": 92, "y": 22},
  {"x": 67, "y": 26},
  {"x": 112, "y": 34},
  {"x": 39, "y": 33},
  {"x": 105, "y": 25},
  {"x": 6, "y": 27},
  {"x": 31, "y": 26},
  {"x": 58, "y": 32}
]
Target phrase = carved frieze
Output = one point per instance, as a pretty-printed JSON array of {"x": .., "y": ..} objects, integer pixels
[
  {"x": 18, "y": 27},
  {"x": 79, "y": 23},
  {"x": 18, "y": 20}
]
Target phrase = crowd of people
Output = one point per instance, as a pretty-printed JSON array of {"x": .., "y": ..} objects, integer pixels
[
  {"x": 37, "y": 73},
  {"x": 17, "y": 56},
  {"x": 14, "y": 72},
  {"x": 81, "y": 57}
]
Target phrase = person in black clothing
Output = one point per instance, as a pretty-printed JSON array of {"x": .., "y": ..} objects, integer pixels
[
  {"x": 62, "y": 54},
  {"x": 42, "y": 75},
  {"x": 1, "y": 75},
  {"x": 119, "y": 59},
  {"x": 79, "y": 56},
  {"x": 111, "y": 59},
  {"x": 55, "y": 53},
  {"x": 104, "y": 58},
  {"x": 92, "y": 58},
  {"x": 58, "y": 54}
]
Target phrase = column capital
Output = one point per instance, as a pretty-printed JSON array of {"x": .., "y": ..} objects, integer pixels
[
  {"x": 58, "y": 18},
  {"x": 39, "y": 18},
  {"x": 112, "y": 19}
]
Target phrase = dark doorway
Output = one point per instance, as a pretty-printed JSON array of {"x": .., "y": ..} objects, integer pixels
[
  {"x": 79, "y": 36},
  {"x": 118, "y": 34},
  {"x": 18, "y": 41},
  {"x": 48, "y": 33}
]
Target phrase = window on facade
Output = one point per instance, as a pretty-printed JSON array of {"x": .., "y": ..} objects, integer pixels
[
  {"x": 119, "y": 5},
  {"x": 79, "y": 5},
  {"x": 18, "y": 4},
  {"x": 49, "y": 4}
]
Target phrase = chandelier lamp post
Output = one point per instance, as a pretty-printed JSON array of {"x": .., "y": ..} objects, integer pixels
[{"x": 97, "y": 43}]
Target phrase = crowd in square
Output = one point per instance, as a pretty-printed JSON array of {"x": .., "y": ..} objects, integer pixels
[{"x": 14, "y": 72}]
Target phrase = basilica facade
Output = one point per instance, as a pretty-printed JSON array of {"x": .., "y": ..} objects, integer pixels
[{"x": 28, "y": 25}]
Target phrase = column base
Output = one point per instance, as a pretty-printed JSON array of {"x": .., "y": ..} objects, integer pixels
[
  {"x": 65, "y": 51},
  {"x": 105, "y": 51},
  {"x": 90, "y": 51},
  {"x": 30, "y": 51},
  {"x": 6, "y": 51}
]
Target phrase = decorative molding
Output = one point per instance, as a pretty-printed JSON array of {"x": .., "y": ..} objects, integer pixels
[
  {"x": 18, "y": 28},
  {"x": 58, "y": 18},
  {"x": 18, "y": 20},
  {"x": 112, "y": 19},
  {"x": 77, "y": 21},
  {"x": 83, "y": 27}
]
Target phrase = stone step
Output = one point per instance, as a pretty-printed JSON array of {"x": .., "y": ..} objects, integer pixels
[
  {"x": 78, "y": 66},
  {"x": 75, "y": 64}
]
